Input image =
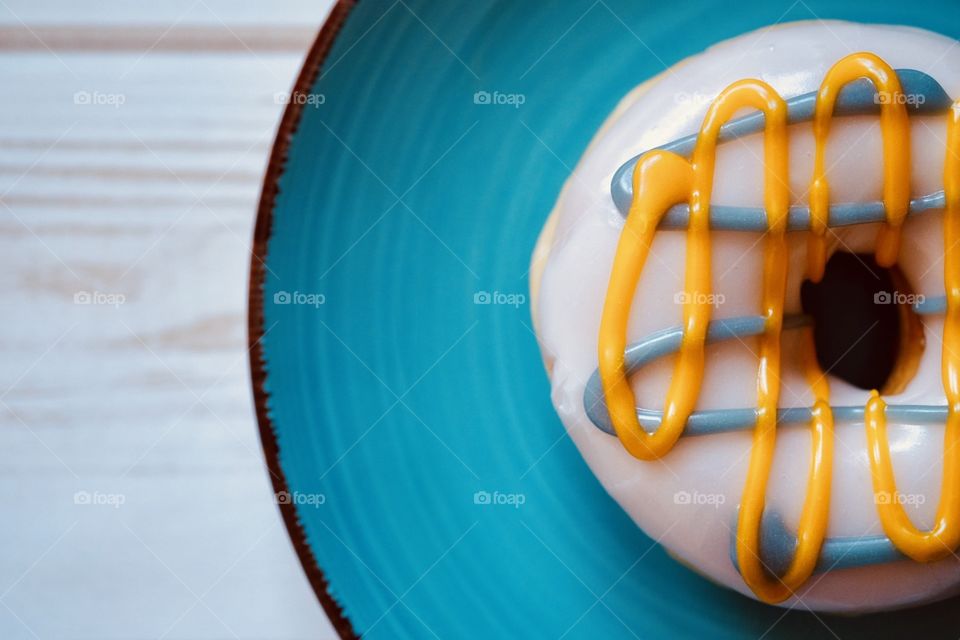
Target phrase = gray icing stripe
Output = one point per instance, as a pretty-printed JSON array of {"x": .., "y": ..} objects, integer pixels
[
  {"x": 727, "y": 218},
  {"x": 666, "y": 342},
  {"x": 856, "y": 98},
  {"x": 778, "y": 544}
]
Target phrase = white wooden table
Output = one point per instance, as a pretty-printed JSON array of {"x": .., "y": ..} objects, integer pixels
[{"x": 135, "y": 502}]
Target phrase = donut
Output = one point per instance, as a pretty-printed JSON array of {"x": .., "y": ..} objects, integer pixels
[{"x": 747, "y": 298}]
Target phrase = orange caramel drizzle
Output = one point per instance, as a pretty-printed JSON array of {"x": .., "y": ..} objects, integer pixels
[
  {"x": 944, "y": 537},
  {"x": 662, "y": 179}
]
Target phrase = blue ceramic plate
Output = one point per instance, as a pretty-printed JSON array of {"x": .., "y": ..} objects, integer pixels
[{"x": 426, "y": 482}]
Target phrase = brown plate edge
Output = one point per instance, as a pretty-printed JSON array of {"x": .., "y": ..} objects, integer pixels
[{"x": 255, "y": 316}]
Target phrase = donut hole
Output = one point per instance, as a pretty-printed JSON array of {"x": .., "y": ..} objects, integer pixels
[{"x": 865, "y": 330}]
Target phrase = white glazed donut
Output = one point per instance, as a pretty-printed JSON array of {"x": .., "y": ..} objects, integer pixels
[{"x": 688, "y": 499}]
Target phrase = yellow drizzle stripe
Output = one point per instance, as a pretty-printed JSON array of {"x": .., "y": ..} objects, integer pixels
[
  {"x": 895, "y": 128},
  {"x": 940, "y": 541},
  {"x": 673, "y": 176},
  {"x": 761, "y": 96},
  {"x": 662, "y": 179}
]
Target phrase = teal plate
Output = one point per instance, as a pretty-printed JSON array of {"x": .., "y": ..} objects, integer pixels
[{"x": 426, "y": 482}]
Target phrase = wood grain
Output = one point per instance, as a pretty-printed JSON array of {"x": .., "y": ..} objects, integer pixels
[{"x": 135, "y": 500}]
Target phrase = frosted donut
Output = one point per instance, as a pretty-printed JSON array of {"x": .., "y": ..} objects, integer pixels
[{"x": 693, "y": 219}]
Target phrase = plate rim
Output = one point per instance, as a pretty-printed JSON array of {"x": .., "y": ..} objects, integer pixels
[{"x": 263, "y": 228}]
